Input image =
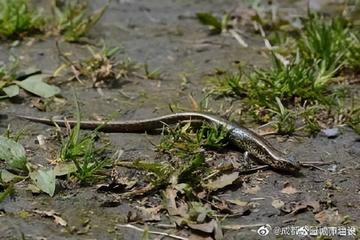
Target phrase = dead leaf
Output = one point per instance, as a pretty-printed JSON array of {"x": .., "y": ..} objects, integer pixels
[
  {"x": 33, "y": 188},
  {"x": 329, "y": 216},
  {"x": 223, "y": 207},
  {"x": 211, "y": 227},
  {"x": 39, "y": 104},
  {"x": 122, "y": 184},
  {"x": 60, "y": 221},
  {"x": 266, "y": 131},
  {"x": 149, "y": 214},
  {"x": 202, "y": 194},
  {"x": 277, "y": 203},
  {"x": 142, "y": 214},
  {"x": 62, "y": 169},
  {"x": 288, "y": 189},
  {"x": 314, "y": 204},
  {"x": 218, "y": 233},
  {"x": 202, "y": 227},
  {"x": 194, "y": 104},
  {"x": 296, "y": 207},
  {"x": 182, "y": 208},
  {"x": 222, "y": 181},
  {"x": 199, "y": 211},
  {"x": 238, "y": 202},
  {"x": 174, "y": 208},
  {"x": 52, "y": 214},
  {"x": 207, "y": 228},
  {"x": 252, "y": 190},
  {"x": 170, "y": 203},
  {"x": 226, "y": 207}
]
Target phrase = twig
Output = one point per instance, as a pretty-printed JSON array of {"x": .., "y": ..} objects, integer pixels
[
  {"x": 243, "y": 172},
  {"x": 312, "y": 165},
  {"x": 316, "y": 163},
  {"x": 151, "y": 232},
  {"x": 354, "y": 81},
  {"x": 272, "y": 133},
  {"x": 257, "y": 199},
  {"x": 166, "y": 226},
  {"x": 237, "y": 36},
  {"x": 267, "y": 43},
  {"x": 238, "y": 226}
]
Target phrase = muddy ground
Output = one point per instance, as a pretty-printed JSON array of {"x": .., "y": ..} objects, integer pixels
[{"x": 165, "y": 35}]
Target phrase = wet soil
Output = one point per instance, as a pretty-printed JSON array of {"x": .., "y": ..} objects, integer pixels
[{"x": 165, "y": 35}]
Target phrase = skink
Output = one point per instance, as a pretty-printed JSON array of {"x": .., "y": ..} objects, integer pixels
[{"x": 241, "y": 137}]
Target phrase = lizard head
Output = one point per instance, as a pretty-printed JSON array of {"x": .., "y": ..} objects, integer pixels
[{"x": 288, "y": 163}]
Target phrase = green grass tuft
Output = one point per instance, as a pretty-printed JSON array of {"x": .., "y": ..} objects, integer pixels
[
  {"x": 312, "y": 61},
  {"x": 84, "y": 152},
  {"x": 291, "y": 83},
  {"x": 215, "y": 25},
  {"x": 18, "y": 20},
  {"x": 72, "y": 20},
  {"x": 324, "y": 41}
]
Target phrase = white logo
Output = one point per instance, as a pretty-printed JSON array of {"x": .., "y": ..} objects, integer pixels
[
  {"x": 303, "y": 231},
  {"x": 264, "y": 230}
]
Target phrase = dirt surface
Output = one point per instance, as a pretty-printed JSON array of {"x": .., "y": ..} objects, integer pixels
[{"x": 165, "y": 35}]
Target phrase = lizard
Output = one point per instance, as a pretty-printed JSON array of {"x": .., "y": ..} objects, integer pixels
[{"x": 253, "y": 144}]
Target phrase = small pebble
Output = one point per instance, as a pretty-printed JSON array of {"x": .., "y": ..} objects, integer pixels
[
  {"x": 332, "y": 168},
  {"x": 330, "y": 132}
]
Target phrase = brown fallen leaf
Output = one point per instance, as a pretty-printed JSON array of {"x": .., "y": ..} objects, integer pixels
[
  {"x": 294, "y": 207},
  {"x": 226, "y": 207},
  {"x": 222, "y": 181},
  {"x": 210, "y": 227},
  {"x": 238, "y": 202},
  {"x": 277, "y": 203},
  {"x": 170, "y": 203},
  {"x": 297, "y": 207},
  {"x": 52, "y": 214},
  {"x": 122, "y": 184},
  {"x": 314, "y": 204},
  {"x": 218, "y": 233},
  {"x": 199, "y": 211},
  {"x": 142, "y": 214},
  {"x": 266, "y": 131},
  {"x": 174, "y": 208},
  {"x": 202, "y": 195},
  {"x": 39, "y": 104},
  {"x": 288, "y": 189},
  {"x": 202, "y": 227},
  {"x": 329, "y": 216},
  {"x": 252, "y": 190}
]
